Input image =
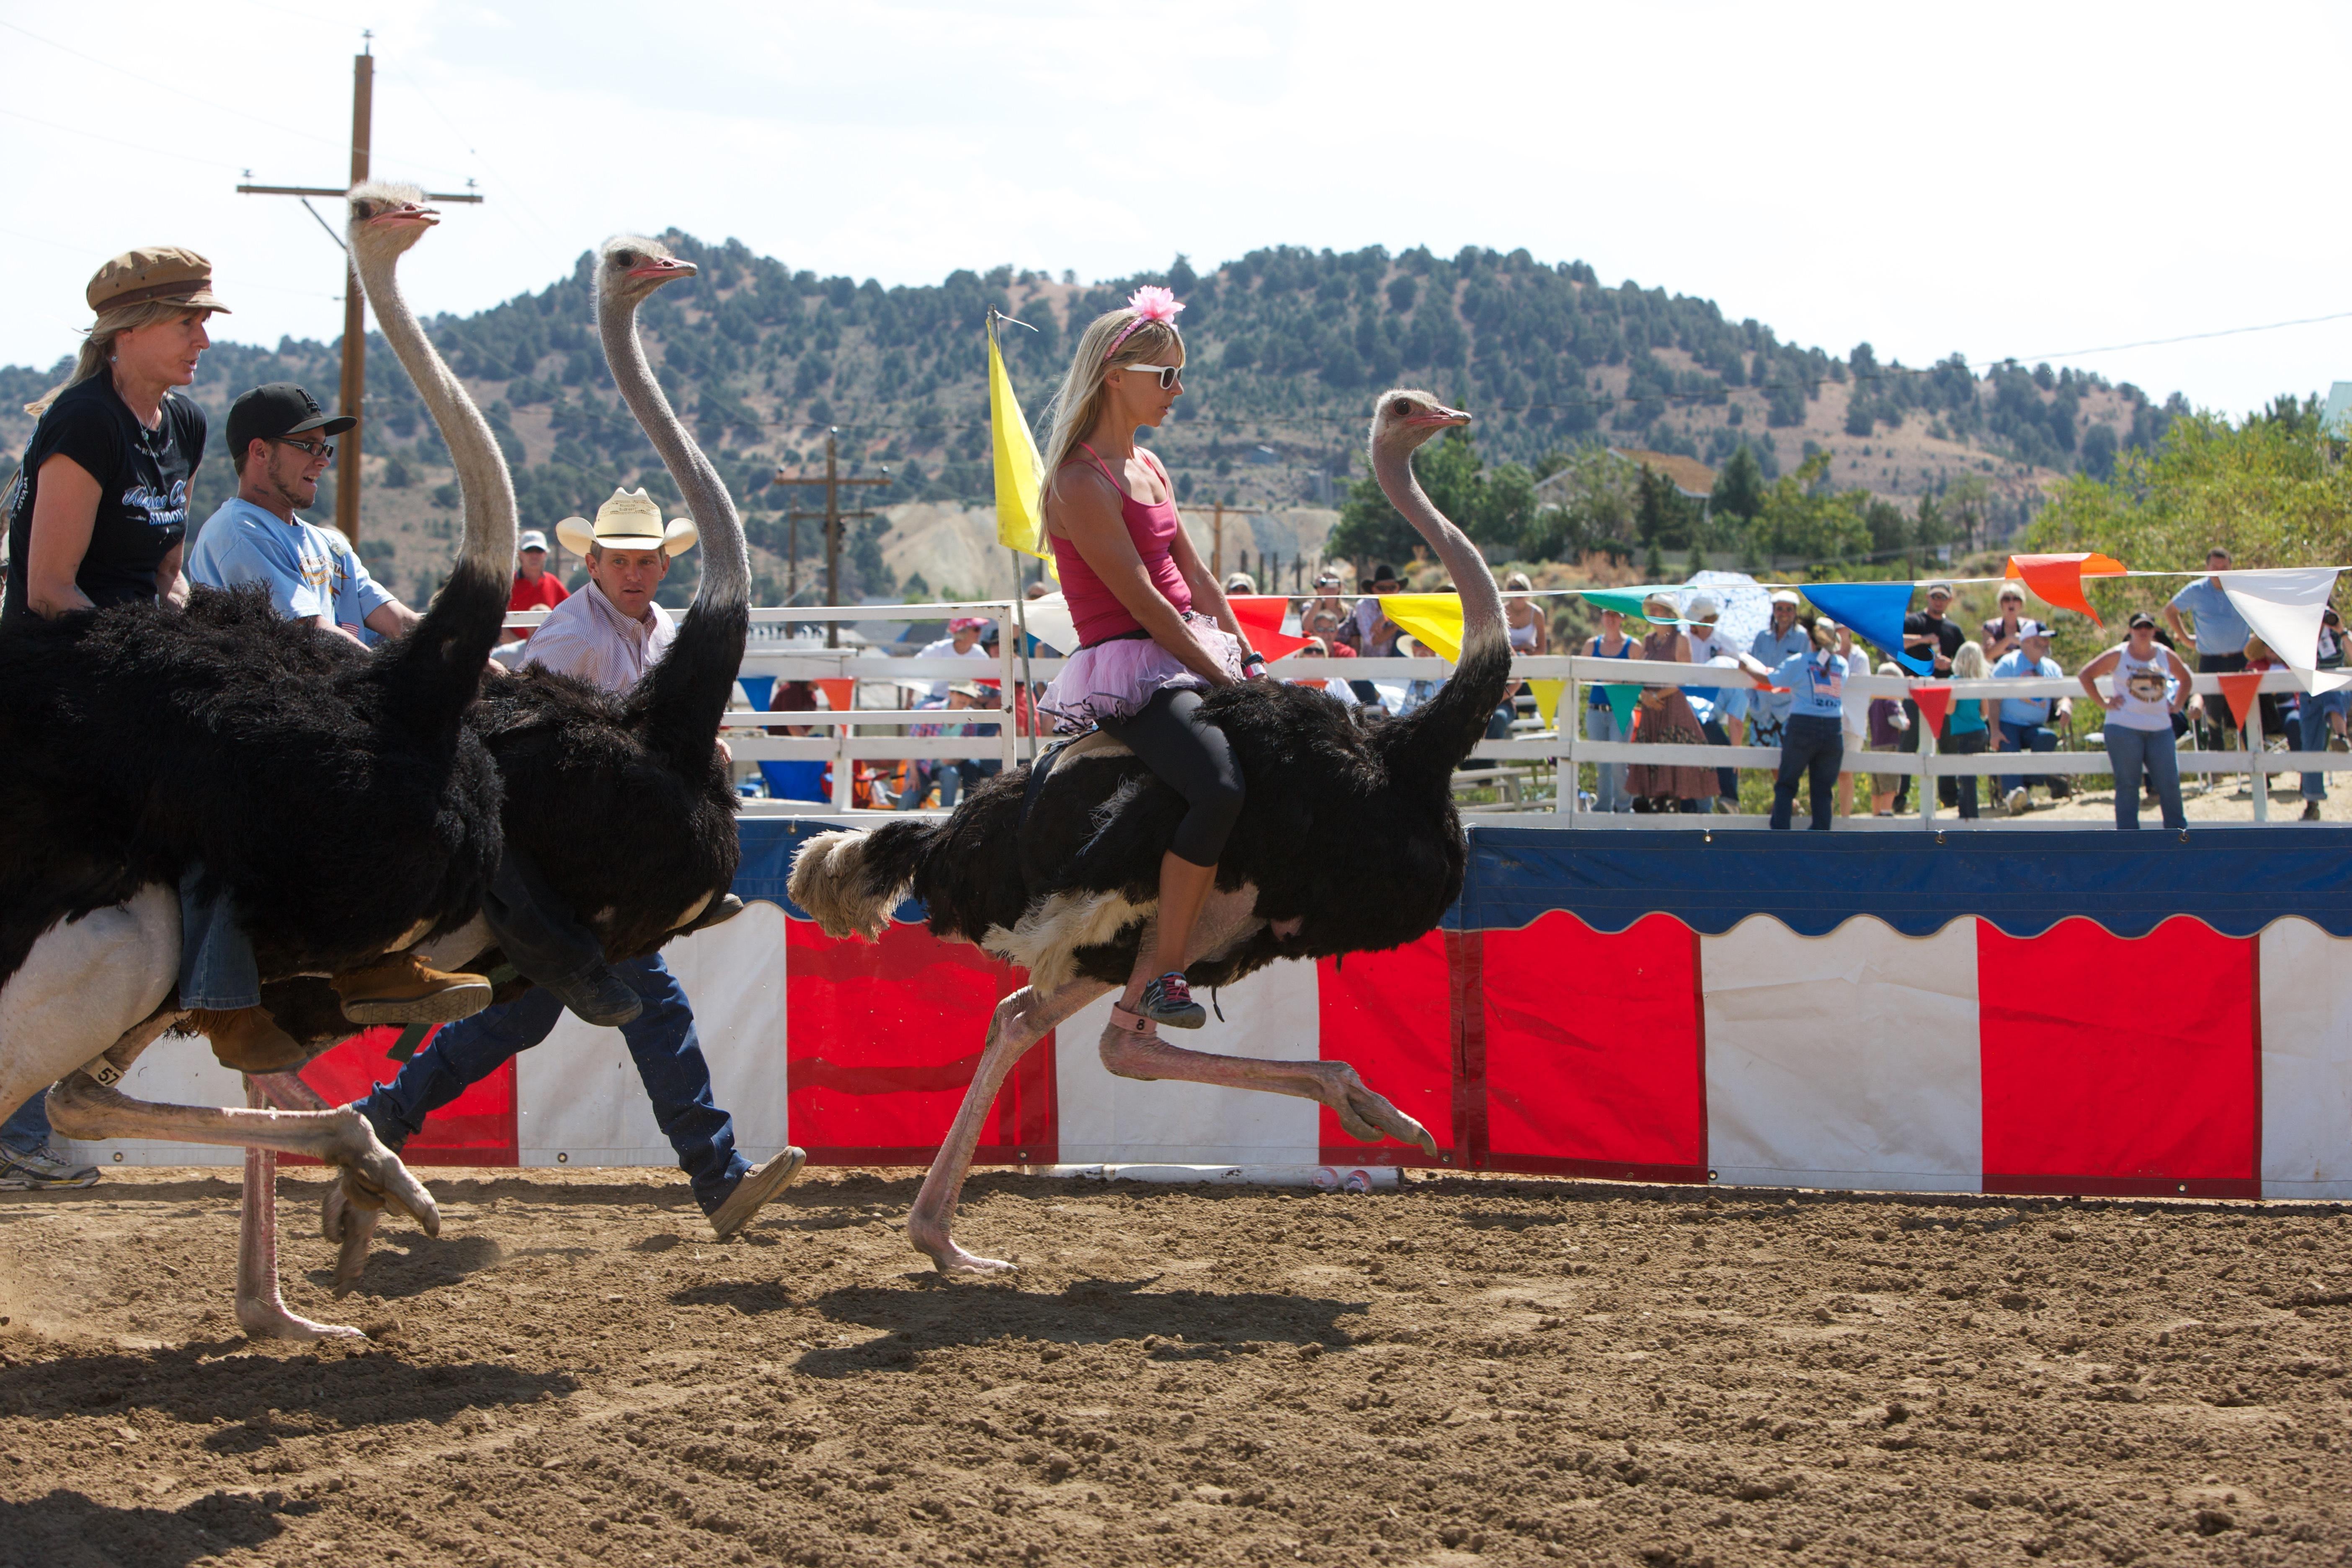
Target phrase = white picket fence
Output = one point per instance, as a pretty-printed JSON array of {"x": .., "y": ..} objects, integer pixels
[{"x": 871, "y": 734}]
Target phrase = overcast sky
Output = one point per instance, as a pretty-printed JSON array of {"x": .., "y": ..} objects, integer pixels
[{"x": 2032, "y": 180}]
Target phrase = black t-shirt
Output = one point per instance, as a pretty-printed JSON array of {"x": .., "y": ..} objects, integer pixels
[
  {"x": 142, "y": 480},
  {"x": 1947, "y": 632}
]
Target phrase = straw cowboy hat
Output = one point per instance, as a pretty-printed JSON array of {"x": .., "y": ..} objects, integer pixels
[{"x": 630, "y": 520}]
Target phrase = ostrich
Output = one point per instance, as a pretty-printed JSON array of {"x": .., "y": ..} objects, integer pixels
[
  {"x": 636, "y": 775},
  {"x": 1350, "y": 843},
  {"x": 339, "y": 798}
]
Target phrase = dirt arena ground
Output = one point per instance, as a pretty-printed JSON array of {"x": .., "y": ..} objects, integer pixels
[{"x": 1466, "y": 1371}]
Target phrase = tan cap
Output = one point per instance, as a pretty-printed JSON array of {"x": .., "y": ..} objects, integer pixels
[
  {"x": 154, "y": 272},
  {"x": 630, "y": 520}
]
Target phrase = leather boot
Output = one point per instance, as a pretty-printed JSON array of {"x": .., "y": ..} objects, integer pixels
[
  {"x": 402, "y": 988},
  {"x": 250, "y": 1040}
]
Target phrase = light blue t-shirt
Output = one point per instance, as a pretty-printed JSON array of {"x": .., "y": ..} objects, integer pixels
[
  {"x": 1771, "y": 649},
  {"x": 2219, "y": 627},
  {"x": 308, "y": 570},
  {"x": 2024, "y": 709},
  {"x": 1816, "y": 683},
  {"x": 357, "y": 595}
]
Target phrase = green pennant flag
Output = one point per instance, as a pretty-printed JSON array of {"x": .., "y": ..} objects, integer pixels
[
  {"x": 1624, "y": 601},
  {"x": 1621, "y": 700}
]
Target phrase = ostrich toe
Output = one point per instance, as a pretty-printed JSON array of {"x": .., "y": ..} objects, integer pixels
[
  {"x": 1367, "y": 1115},
  {"x": 351, "y": 1225},
  {"x": 373, "y": 1176},
  {"x": 270, "y": 1320}
]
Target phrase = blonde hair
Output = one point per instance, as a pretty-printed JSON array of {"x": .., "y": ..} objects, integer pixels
[
  {"x": 1969, "y": 664},
  {"x": 1078, "y": 404},
  {"x": 1517, "y": 583},
  {"x": 98, "y": 346}
]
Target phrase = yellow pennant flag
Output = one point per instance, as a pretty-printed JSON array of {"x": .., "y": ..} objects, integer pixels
[
  {"x": 1434, "y": 618},
  {"x": 1020, "y": 509}
]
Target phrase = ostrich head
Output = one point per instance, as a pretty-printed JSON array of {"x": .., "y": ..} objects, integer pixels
[
  {"x": 629, "y": 266},
  {"x": 1403, "y": 419},
  {"x": 386, "y": 219}
]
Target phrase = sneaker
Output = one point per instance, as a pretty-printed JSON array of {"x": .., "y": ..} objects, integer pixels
[
  {"x": 402, "y": 988},
  {"x": 1168, "y": 1000},
  {"x": 2017, "y": 799},
  {"x": 2311, "y": 811},
  {"x": 753, "y": 1188},
  {"x": 2338, "y": 744},
  {"x": 42, "y": 1170},
  {"x": 599, "y": 997},
  {"x": 719, "y": 912}
]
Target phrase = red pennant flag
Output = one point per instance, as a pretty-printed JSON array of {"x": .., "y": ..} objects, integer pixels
[
  {"x": 1260, "y": 615},
  {"x": 837, "y": 692},
  {"x": 2058, "y": 579},
  {"x": 2240, "y": 688},
  {"x": 1933, "y": 702}
]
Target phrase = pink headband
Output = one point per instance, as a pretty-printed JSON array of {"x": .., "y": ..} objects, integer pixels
[{"x": 1149, "y": 303}]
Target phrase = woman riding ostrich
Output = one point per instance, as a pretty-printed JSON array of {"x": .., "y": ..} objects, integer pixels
[
  {"x": 1211, "y": 823},
  {"x": 340, "y": 800}
]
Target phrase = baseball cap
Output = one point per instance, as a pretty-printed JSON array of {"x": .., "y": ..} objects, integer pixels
[
  {"x": 281, "y": 408},
  {"x": 2032, "y": 629},
  {"x": 1700, "y": 608},
  {"x": 1943, "y": 588},
  {"x": 966, "y": 624},
  {"x": 533, "y": 539},
  {"x": 2142, "y": 619},
  {"x": 153, "y": 272}
]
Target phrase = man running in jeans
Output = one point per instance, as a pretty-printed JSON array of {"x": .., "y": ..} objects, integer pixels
[{"x": 610, "y": 632}]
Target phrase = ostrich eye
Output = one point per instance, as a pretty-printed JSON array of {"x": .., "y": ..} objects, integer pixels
[
  {"x": 1400, "y": 408},
  {"x": 625, "y": 257}
]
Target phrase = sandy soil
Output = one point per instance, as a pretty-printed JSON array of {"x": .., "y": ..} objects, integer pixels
[{"x": 1468, "y": 1370}]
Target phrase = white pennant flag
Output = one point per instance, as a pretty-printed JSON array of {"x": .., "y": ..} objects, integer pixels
[{"x": 2283, "y": 607}]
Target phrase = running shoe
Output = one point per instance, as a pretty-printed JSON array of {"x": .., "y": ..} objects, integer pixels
[
  {"x": 42, "y": 1170},
  {"x": 1168, "y": 1000}
]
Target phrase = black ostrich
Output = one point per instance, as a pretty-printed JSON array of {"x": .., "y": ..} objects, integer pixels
[
  {"x": 339, "y": 798},
  {"x": 1350, "y": 843},
  {"x": 621, "y": 798}
]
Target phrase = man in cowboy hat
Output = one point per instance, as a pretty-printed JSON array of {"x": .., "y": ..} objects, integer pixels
[{"x": 610, "y": 633}]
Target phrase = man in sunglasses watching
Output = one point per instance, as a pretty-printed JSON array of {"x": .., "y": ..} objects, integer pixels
[{"x": 280, "y": 442}]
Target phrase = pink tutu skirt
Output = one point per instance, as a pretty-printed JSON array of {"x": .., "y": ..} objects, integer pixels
[{"x": 1110, "y": 681}]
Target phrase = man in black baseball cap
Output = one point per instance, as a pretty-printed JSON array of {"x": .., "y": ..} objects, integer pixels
[{"x": 276, "y": 412}]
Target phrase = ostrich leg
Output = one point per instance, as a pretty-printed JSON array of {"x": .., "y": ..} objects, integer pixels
[
  {"x": 79, "y": 1106},
  {"x": 1021, "y": 1020},
  {"x": 261, "y": 1309},
  {"x": 348, "y": 1214}
]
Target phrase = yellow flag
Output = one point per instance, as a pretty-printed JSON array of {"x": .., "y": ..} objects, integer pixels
[
  {"x": 1434, "y": 618},
  {"x": 1020, "y": 512},
  {"x": 1548, "y": 699}
]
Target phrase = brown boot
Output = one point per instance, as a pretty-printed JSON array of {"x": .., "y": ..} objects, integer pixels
[
  {"x": 248, "y": 1040},
  {"x": 402, "y": 988}
]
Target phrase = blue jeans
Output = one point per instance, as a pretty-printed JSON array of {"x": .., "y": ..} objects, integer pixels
[
  {"x": 2016, "y": 737},
  {"x": 2132, "y": 752},
  {"x": 947, "y": 775},
  {"x": 661, "y": 1041},
  {"x": 1811, "y": 744},
  {"x": 2317, "y": 706},
  {"x": 217, "y": 970},
  {"x": 26, "y": 1132},
  {"x": 1601, "y": 724}
]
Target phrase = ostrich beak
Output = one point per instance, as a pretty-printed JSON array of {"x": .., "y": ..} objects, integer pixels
[
  {"x": 406, "y": 215},
  {"x": 1441, "y": 417},
  {"x": 662, "y": 268}
]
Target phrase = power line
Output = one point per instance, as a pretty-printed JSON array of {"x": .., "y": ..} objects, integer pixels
[
  {"x": 217, "y": 107},
  {"x": 117, "y": 141},
  {"x": 473, "y": 152}
]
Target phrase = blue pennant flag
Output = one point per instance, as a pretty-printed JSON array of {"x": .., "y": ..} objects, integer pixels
[{"x": 1875, "y": 611}]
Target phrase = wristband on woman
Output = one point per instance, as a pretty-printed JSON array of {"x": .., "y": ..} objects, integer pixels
[{"x": 1251, "y": 657}]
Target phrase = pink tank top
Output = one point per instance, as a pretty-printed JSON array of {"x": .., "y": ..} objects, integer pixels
[{"x": 1096, "y": 609}]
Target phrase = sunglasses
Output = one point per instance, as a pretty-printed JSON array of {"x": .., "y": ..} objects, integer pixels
[
  {"x": 1168, "y": 375},
  {"x": 316, "y": 450}
]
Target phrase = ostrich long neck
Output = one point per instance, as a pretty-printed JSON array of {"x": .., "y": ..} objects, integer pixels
[
  {"x": 688, "y": 690},
  {"x": 1422, "y": 749},
  {"x": 488, "y": 544},
  {"x": 1482, "y": 603}
]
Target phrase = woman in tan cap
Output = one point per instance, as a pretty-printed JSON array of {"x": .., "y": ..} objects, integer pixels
[{"x": 100, "y": 509}]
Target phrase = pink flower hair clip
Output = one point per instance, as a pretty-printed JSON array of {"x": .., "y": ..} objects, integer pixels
[{"x": 1150, "y": 303}]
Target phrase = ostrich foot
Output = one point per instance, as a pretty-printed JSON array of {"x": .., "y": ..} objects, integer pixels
[
  {"x": 261, "y": 1310},
  {"x": 1366, "y": 1114},
  {"x": 934, "y": 1242},
  {"x": 351, "y": 1226}
]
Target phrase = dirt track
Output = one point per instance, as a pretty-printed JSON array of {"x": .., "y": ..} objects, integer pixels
[{"x": 1467, "y": 1371}]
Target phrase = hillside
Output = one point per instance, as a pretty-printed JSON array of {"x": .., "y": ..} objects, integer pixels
[{"x": 1286, "y": 346}]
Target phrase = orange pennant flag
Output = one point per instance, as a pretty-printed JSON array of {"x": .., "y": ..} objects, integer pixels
[
  {"x": 1933, "y": 702},
  {"x": 2058, "y": 579},
  {"x": 2240, "y": 688},
  {"x": 837, "y": 692}
]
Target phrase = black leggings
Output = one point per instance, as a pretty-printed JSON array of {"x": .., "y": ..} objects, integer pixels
[{"x": 1194, "y": 760}]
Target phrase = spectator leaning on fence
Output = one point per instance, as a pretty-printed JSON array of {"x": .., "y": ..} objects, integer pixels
[
  {"x": 1601, "y": 718},
  {"x": 1887, "y": 723},
  {"x": 2025, "y": 720},
  {"x": 1813, "y": 744},
  {"x": 2219, "y": 633},
  {"x": 1721, "y": 710},
  {"x": 1777, "y": 643},
  {"x": 2152, "y": 684},
  {"x": 2321, "y": 715}
]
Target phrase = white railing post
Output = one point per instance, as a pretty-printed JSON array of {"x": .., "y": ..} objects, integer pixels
[
  {"x": 2254, "y": 744},
  {"x": 1927, "y": 771},
  {"x": 845, "y": 783},
  {"x": 1568, "y": 724}
]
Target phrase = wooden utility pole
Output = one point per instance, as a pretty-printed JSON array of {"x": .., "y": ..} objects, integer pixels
[
  {"x": 355, "y": 380},
  {"x": 1217, "y": 543},
  {"x": 832, "y": 515}
]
